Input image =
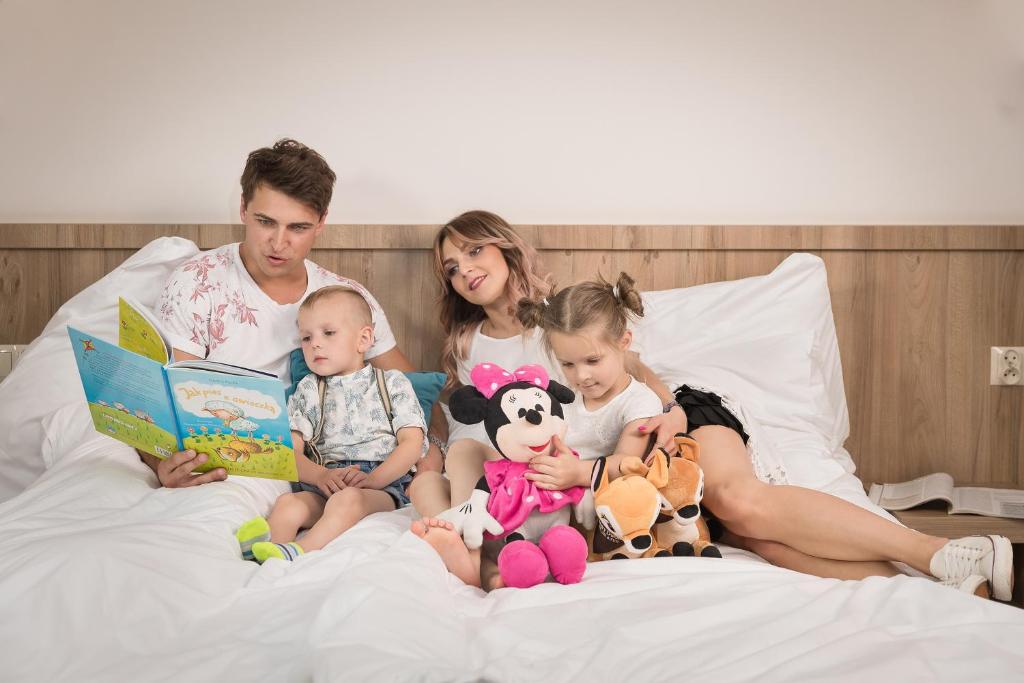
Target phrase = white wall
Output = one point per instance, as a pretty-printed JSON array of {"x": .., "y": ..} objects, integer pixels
[{"x": 552, "y": 112}]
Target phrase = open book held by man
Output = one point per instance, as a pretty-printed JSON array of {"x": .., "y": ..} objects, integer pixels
[{"x": 236, "y": 416}]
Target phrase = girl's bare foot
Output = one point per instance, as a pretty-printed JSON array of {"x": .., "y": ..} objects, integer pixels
[{"x": 449, "y": 545}]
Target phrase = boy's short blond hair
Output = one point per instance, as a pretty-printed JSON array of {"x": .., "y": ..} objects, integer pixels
[{"x": 353, "y": 299}]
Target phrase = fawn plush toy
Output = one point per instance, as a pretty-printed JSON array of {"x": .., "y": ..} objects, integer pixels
[
  {"x": 680, "y": 527},
  {"x": 522, "y": 413},
  {"x": 627, "y": 509}
]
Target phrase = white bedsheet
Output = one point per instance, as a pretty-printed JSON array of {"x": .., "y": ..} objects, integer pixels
[{"x": 105, "y": 577}]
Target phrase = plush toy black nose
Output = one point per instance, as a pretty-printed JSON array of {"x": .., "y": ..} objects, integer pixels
[
  {"x": 642, "y": 542},
  {"x": 689, "y": 511},
  {"x": 533, "y": 417}
]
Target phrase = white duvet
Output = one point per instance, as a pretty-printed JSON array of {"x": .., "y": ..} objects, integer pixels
[{"x": 105, "y": 577}]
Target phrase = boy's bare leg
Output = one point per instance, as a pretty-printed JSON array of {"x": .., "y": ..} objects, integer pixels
[
  {"x": 458, "y": 559},
  {"x": 342, "y": 511},
  {"x": 430, "y": 493},
  {"x": 292, "y": 512}
]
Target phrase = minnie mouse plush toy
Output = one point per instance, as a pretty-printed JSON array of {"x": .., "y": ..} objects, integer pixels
[{"x": 522, "y": 413}]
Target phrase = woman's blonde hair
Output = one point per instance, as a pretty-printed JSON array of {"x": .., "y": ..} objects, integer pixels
[
  {"x": 459, "y": 317},
  {"x": 590, "y": 303}
]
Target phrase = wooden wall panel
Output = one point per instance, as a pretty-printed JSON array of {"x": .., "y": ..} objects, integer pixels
[{"x": 915, "y": 309}]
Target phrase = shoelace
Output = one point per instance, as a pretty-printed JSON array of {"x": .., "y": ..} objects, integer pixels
[{"x": 961, "y": 561}]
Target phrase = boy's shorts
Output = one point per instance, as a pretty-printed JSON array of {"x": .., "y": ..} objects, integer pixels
[{"x": 395, "y": 489}]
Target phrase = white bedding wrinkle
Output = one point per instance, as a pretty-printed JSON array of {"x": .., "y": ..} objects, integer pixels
[{"x": 107, "y": 577}]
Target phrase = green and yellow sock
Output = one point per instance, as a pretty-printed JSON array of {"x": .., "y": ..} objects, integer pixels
[
  {"x": 264, "y": 550},
  {"x": 253, "y": 531}
]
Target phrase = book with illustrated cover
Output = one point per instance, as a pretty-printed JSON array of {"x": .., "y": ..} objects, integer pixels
[
  {"x": 973, "y": 500},
  {"x": 236, "y": 416}
]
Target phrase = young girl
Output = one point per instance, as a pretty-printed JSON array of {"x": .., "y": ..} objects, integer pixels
[
  {"x": 585, "y": 327},
  {"x": 484, "y": 268}
]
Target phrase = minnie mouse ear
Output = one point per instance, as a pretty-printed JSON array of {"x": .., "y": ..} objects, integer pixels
[
  {"x": 468, "y": 405},
  {"x": 562, "y": 393}
]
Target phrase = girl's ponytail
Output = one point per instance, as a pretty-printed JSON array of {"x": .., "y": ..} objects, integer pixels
[
  {"x": 593, "y": 302},
  {"x": 530, "y": 312},
  {"x": 627, "y": 295}
]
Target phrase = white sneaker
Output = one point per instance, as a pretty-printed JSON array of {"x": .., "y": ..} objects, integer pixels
[
  {"x": 988, "y": 556},
  {"x": 975, "y": 584}
]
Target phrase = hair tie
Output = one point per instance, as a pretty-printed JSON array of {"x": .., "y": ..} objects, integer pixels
[
  {"x": 545, "y": 300},
  {"x": 615, "y": 291}
]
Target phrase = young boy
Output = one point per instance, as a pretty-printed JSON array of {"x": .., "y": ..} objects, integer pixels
[{"x": 367, "y": 455}]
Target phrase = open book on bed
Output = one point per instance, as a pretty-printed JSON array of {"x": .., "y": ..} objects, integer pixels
[
  {"x": 960, "y": 499},
  {"x": 236, "y": 416}
]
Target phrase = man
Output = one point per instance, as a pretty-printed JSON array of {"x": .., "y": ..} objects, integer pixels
[{"x": 238, "y": 303}]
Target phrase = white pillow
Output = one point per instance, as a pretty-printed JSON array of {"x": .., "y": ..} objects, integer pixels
[
  {"x": 769, "y": 342},
  {"x": 46, "y": 377},
  {"x": 66, "y": 431}
]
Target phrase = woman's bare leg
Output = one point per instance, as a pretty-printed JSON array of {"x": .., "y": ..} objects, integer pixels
[
  {"x": 434, "y": 494},
  {"x": 811, "y": 522},
  {"x": 458, "y": 559},
  {"x": 465, "y": 466},
  {"x": 490, "y": 577},
  {"x": 430, "y": 493},
  {"x": 783, "y": 556}
]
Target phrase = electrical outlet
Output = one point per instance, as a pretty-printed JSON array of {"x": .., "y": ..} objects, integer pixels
[
  {"x": 1007, "y": 366},
  {"x": 9, "y": 355}
]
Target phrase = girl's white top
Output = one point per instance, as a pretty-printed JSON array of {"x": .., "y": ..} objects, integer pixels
[{"x": 595, "y": 433}]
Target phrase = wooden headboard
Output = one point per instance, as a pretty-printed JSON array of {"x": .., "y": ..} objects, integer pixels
[{"x": 916, "y": 310}]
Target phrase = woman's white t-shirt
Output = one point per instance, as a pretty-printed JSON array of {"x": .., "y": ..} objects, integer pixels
[
  {"x": 595, "y": 433},
  {"x": 522, "y": 349},
  {"x": 212, "y": 308}
]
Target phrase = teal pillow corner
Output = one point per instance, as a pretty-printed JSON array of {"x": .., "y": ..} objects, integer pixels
[{"x": 427, "y": 385}]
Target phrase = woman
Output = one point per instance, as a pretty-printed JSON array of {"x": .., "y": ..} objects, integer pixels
[{"x": 485, "y": 268}]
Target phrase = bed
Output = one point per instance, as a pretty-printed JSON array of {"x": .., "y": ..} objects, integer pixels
[{"x": 105, "y": 576}]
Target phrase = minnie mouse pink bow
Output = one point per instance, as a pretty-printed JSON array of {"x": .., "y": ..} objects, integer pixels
[{"x": 488, "y": 377}]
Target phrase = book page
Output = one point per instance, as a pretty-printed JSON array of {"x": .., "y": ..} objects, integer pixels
[
  {"x": 990, "y": 502},
  {"x": 240, "y": 423},
  {"x": 911, "y": 493},
  {"x": 139, "y": 334},
  {"x": 216, "y": 366},
  {"x": 127, "y": 395}
]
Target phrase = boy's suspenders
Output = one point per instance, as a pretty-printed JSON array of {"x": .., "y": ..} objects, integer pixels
[
  {"x": 385, "y": 397},
  {"x": 312, "y": 452}
]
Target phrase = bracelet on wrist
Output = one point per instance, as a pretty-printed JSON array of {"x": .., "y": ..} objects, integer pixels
[
  {"x": 670, "y": 405},
  {"x": 441, "y": 445}
]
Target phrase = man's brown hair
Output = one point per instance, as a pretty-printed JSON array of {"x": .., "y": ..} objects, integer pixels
[{"x": 292, "y": 169}]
